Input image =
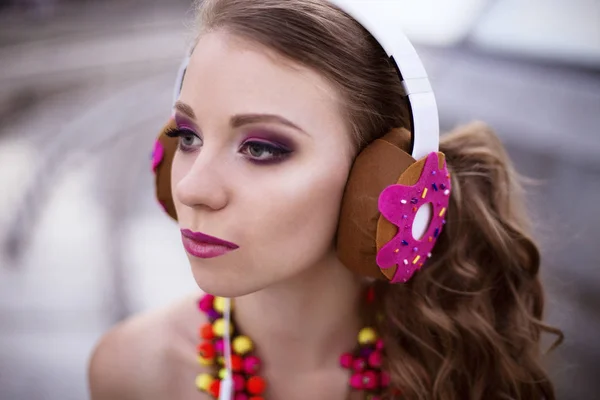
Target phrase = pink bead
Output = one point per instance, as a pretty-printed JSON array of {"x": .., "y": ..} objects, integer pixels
[
  {"x": 251, "y": 365},
  {"x": 385, "y": 379},
  {"x": 346, "y": 360},
  {"x": 370, "y": 381},
  {"x": 356, "y": 381},
  {"x": 220, "y": 346},
  {"x": 359, "y": 364},
  {"x": 206, "y": 303},
  {"x": 240, "y": 396},
  {"x": 375, "y": 359},
  {"x": 238, "y": 382},
  {"x": 379, "y": 344}
]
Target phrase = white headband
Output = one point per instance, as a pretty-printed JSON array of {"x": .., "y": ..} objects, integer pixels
[{"x": 380, "y": 18}]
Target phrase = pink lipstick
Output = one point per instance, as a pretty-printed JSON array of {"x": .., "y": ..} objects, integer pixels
[{"x": 204, "y": 246}]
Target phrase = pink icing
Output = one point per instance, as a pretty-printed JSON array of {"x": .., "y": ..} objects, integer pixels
[
  {"x": 399, "y": 205},
  {"x": 157, "y": 155}
]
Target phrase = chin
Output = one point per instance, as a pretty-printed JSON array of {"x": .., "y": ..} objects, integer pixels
[{"x": 223, "y": 281}]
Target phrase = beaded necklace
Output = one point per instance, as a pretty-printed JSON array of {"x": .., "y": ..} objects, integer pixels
[{"x": 365, "y": 361}]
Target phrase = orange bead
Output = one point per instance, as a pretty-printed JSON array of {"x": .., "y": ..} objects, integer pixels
[
  {"x": 206, "y": 350},
  {"x": 256, "y": 385},
  {"x": 236, "y": 363},
  {"x": 215, "y": 388},
  {"x": 206, "y": 332}
]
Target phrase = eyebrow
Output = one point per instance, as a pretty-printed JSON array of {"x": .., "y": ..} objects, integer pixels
[{"x": 242, "y": 119}]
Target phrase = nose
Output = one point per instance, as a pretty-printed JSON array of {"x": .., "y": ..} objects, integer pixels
[{"x": 203, "y": 185}]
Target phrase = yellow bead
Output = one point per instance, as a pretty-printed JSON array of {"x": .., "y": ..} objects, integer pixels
[
  {"x": 221, "y": 360},
  {"x": 219, "y": 304},
  {"x": 242, "y": 345},
  {"x": 203, "y": 381},
  {"x": 205, "y": 361},
  {"x": 222, "y": 373},
  {"x": 367, "y": 336},
  {"x": 219, "y": 328}
]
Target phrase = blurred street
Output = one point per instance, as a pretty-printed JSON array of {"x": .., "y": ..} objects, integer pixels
[{"x": 85, "y": 87}]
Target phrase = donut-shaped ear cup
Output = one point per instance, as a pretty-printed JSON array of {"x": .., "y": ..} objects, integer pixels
[
  {"x": 162, "y": 159},
  {"x": 385, "y": 189}
]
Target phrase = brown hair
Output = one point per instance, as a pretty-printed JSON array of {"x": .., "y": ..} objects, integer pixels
[{"x": 468, "y": 325}]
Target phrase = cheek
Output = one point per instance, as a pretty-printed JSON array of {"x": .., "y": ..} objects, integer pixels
[
  {"x": 299, "y": 217},
  {"x": 178, "y": 171}
]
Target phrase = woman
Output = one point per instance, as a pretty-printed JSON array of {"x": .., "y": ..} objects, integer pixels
[{"x": 279, "y": 99}]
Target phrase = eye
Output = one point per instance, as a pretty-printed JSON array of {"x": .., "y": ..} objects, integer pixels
[
  {"x": 188, "y": 140},
  {"x": 263, "y": 152}
]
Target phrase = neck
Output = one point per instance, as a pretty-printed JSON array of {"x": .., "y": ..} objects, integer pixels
[{"x": 306, "y": 322}]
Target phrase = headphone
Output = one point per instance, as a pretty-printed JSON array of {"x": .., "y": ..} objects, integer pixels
[{"x": 394, "y": 205}]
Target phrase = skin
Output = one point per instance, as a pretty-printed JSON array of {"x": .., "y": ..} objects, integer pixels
[{"x": 293, "y": 296}]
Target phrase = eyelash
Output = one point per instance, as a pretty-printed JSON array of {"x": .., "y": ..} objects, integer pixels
[
  {"x": 179, "y": 133},
  {"x": 278, "y": 153}
]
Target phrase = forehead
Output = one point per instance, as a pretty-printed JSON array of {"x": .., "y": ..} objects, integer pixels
[{"x": 227, "y": 74}]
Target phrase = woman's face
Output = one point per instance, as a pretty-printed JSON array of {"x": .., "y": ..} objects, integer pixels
[{"x": 263, "y": 159}]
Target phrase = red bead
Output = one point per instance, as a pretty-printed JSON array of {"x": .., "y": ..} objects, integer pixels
[
  {"x": 256, "y": 398},
  {"x": 375, "y": 359},
  {"x": 359, "y": 364},
  {"x": 206, "y": 332},
  {"x": 236, "y": 363},
  {"x": 346, "y": 360},
  {"x": 215, "y": 388},
  {"x": 240, "y": 396},
  {"x": 356, "y": 381},
  {"x": 238, "y": 382},
  {"x": 256, "y": 385},
  {"x": 206, "y": 350},
  {"x": 385, "y": 379},
  {"x": 251, "y": 365},
  {"x": 370, "y": 381}
]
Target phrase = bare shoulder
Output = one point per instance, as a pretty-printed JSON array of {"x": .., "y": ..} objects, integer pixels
[{"x": 149, "y": 356}]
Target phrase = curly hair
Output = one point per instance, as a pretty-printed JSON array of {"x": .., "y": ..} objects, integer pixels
[{"x": 467, "y": 326}]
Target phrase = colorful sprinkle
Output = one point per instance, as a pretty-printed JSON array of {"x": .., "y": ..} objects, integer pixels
[
  {"x": 404, "y": 243},
  {"x": 416, "y": 260},
  {"x": 406, "y": 263},
  {"x": 436, "y": 232},
  {"x": 424, "y": 193},
  {"x": 434, "y": 186},
  {"x": 403, "y": 201},
  {"x": 446, "y": 192},
  {"x": 414, "y": 200},
  {"x": 443, "y": 212}
]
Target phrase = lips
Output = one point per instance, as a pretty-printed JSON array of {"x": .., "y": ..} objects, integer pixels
[{"x": 201, "y": 245}]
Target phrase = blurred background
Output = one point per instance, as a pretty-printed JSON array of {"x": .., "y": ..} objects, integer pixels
[{"x": 85, "y": 86}]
